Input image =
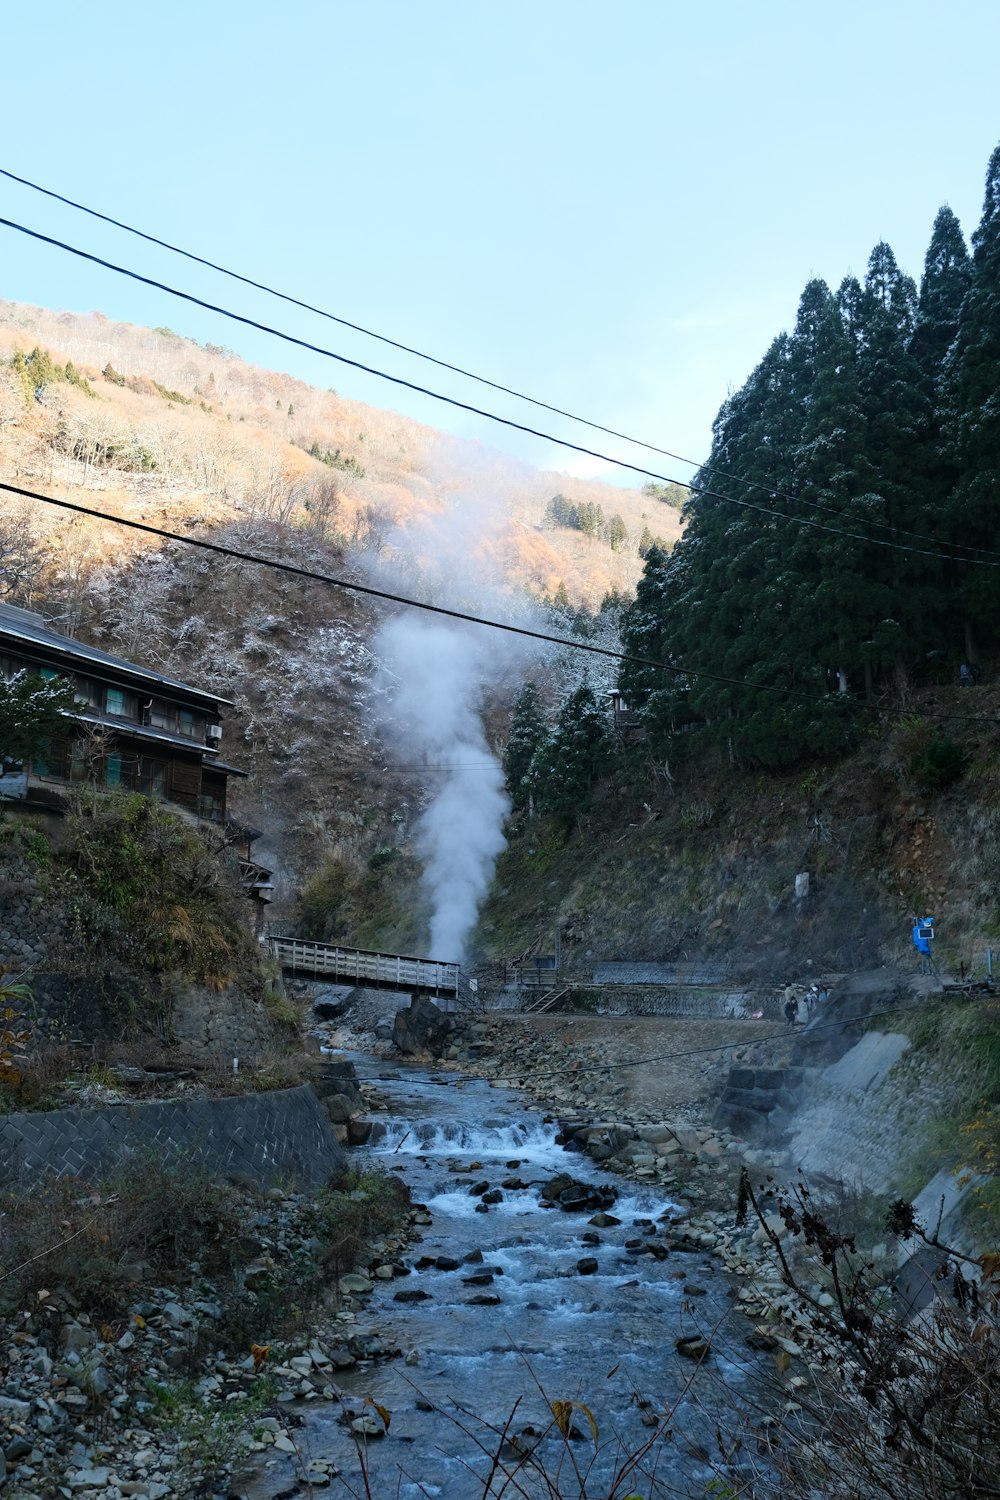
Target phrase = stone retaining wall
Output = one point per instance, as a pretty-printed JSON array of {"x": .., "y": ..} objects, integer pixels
[
  {"x": 751, "y": 1096},
  {"x": 282, "y": 1137}
]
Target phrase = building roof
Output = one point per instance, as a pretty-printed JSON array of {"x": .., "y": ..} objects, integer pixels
[
  {"x": 26, "y": 625},
  {"x": 127, "y": 728}
]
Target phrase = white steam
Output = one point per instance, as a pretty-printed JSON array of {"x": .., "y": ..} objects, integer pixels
[{"x": 436, "y": 674}]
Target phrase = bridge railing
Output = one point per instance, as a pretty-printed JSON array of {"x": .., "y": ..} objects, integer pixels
[{"x": 362, "y": 967}]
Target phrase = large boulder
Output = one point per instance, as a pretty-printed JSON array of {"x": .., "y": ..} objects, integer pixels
[
  {"x": 421, "y": 1027},
  {"x": 329, "y": 1004}
]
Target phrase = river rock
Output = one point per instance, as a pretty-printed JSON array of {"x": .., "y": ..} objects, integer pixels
[
  {"x": 88, "y": 1479},
  {"x": 339, "y": 1108},
  {"x": 587, "y": 1265},
  {"x": 368, "y": 1427},
  {"x": 693, "y": 1346},
  {"x": 421, "y": 1027},
  {"x": 355, "y": 1284},
  {"x": 330, "y": 1004}
]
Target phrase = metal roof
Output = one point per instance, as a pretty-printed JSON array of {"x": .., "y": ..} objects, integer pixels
[
  {"x": 26, "y": 625},
  {"x": 129, "y": 729}
]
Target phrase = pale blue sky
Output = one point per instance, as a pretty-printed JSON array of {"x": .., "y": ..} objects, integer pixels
[{"x": 614, "y": 208}]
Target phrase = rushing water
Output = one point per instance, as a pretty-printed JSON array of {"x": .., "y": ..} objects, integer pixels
[{"x": 605, "y": 1339}]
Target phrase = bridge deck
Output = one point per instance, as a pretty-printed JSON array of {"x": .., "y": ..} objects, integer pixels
[{"x": 359, "y": 966}]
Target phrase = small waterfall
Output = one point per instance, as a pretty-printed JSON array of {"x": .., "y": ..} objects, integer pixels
[{"x": 493, "y": 1138}]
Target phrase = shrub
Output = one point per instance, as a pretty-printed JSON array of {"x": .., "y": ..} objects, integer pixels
[
  {"x": 361, "y": 1207},
  {"x": 88, "y": 1239},
  {"x": 939, "y": 764}
]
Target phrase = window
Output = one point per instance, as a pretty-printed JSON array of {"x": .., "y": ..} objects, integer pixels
[
  {"x": 210, "y": 806},
  {"x": 161, "y": 715},
  {"x": 77, "y": 761},
  {"x": 188, "y": 723},
  {"x": 45, "y": 759},
  {"x": 152, "y": 778},
  {"x": 113, "y": 770},
  {"x": 120, "y": 703}
]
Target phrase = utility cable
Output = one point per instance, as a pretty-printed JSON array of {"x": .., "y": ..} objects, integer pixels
[
  {"x": 455, "y": 614},
  {"x": 374, "y": 593},
  {"x": 621, "y": 463},
  {"x": 495, "y": 385},
  {"x": 654, "y": 1057}
]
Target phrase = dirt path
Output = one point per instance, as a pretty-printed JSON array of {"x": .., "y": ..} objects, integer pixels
[{"x": 648, "y": 1067}]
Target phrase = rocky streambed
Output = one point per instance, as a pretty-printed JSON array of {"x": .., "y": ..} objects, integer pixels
[{"x": 571, "y": 1256}]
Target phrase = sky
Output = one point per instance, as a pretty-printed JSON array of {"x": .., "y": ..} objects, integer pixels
[{"x": 611, "y": 208}]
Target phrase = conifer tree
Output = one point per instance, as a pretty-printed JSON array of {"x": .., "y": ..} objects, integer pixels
[
  {"x": 897, "y": 449},
  {"x": 32, "y": 712},
  {"x": 943, "y": 287},
  {"x": 971, "y": 420},
  {"x": 528, "y": 733},
  {"x": 566, "y": 767}
]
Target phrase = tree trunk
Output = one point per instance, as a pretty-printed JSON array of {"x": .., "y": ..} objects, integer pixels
[{"x": 970, "y": 641}]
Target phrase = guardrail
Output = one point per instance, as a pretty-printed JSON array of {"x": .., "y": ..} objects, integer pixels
[{"x": 360, "y": 966}]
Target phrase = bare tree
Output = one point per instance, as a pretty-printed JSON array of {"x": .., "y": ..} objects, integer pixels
[
  {"x": 321, "y": 502},
  {"x": 21, "y": 554},
  {"x": 372, "y": 527}
]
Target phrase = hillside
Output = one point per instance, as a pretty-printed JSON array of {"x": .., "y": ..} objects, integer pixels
[
  {"x": 195, "y": 431},
  {"x": 695, "y": 861},
  {"x": 149, "y": 425}
]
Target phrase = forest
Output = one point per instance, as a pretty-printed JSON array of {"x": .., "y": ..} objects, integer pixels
[{"x": 840, "y": 543}]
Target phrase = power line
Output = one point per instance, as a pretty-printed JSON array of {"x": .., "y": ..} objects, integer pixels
[
  {"x": 455, "y": 614},
  {"x": 640, "y": 1062},
  {"x": 495, "y": 385},
  {"x": 374, "y": 593},
  {"x": 621, "y": 463}
]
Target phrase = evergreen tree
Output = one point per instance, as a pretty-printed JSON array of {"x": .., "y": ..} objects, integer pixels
[
  {"x": 898, "y": 451},
  {"x": 674, "y": 495},
  {"x": 943, "y": 287},
  {"x": 971, "y": 421},
  {"x": 561, "y": 511},
  {"x": 590, "y": 517},
  {"x": 32, "y": 712},
  {"x": 648, "y": 629},
  {"x": 616, "y": 532},
  {"x": 567, "y": 765},
  {"x": 747, "y": 595},
  {"x": 560, "y": 604},
  {"x": 528, "y": 733}
]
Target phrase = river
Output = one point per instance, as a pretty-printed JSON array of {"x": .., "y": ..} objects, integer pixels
[{"x": 530, "y": 1305}]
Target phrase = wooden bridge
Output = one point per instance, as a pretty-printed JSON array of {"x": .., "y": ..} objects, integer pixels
[{"x": 371, "y": 971}]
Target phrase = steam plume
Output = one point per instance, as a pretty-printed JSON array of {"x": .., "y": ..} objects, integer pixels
[{"x": 437, "y": 677}]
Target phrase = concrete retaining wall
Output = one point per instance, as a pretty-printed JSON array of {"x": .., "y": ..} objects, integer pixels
[
  {"x": 282, "y": 1137},
  {"x": 695, "y": 1004},
  {"x": 639, "y": 1000}
]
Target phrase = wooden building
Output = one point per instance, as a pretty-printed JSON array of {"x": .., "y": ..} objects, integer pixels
[{"x": 134, "y": 728}]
